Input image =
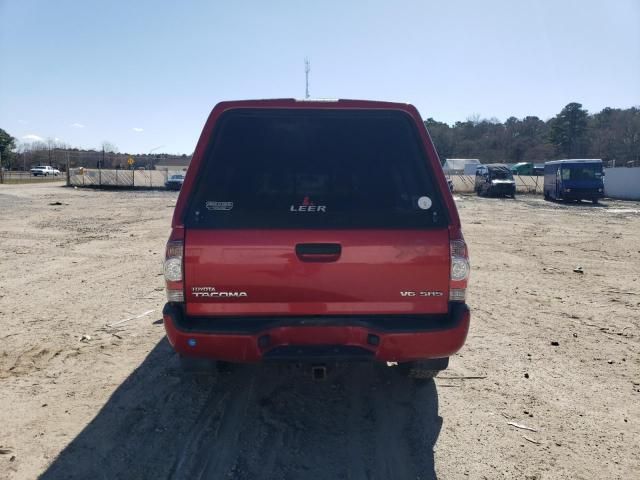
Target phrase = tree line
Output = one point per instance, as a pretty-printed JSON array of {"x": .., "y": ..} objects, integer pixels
[
  {"x": 611, "y": 134},
  {"x": 22, "y": 156}
]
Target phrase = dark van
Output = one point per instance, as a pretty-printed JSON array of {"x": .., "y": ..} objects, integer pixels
[
  {"x": 578, "y": 179},
  {"x": 495, "y": 180}
]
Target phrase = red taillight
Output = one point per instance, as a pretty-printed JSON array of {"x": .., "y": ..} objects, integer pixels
[
  {"x": 460, "y": 269},
  {"x": 174, "y": 270}
]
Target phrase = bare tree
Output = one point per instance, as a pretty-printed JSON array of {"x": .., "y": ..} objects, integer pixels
[
  {"x": 109, "y": 147},
  {"x": 109, "y": 150},
  {"x": 474, "y": 119}
]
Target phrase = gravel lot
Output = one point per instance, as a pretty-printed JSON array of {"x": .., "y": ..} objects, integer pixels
[{"x": 551, "y": 350}]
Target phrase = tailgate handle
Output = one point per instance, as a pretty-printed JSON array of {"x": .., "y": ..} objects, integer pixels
[{"x": 318, "y": 252}]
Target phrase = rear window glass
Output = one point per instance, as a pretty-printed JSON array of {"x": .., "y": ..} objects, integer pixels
[
  {"x": 315, "y": 169},
  {"x": 579, "y": 172},
  {"x": 501, "y": 174}
]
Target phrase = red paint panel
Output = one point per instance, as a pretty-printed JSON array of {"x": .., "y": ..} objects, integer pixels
[{"x": 369, "y": 277}]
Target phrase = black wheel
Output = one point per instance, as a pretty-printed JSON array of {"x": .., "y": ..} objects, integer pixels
[
  {"x": 418, "y": 373},
  {"x": 546, "y": 195},
  {"x": 198, "y": 366},
  {"x": 225, "y": 368},
  {"x": 205, "y": 366},
  {"x": 422, "y": 370}
]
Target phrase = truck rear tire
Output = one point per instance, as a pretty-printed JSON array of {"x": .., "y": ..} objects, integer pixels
[
  {"x": 205, "y": 366},
  {"x": 420, "y": 374},
  {"x": 422, "y": 370},
  {"x": 198, "y": 366}
]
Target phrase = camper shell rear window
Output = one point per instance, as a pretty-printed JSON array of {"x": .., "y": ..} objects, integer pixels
[{"x": 290, "y": 168}]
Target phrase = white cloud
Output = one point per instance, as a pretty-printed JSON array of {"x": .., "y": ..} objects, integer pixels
[
  {"x": 77, "y": 125},
  {"x": 137, "y": 129},
  {"x": 32, "y": 138}
]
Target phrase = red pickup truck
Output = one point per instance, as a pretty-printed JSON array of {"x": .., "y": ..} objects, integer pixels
[{"x": 316, "y": 231}]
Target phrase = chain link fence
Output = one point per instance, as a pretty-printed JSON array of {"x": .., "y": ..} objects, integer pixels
[
  {"x": 524, "y": 183},
  {"x": 116, "y": 178},
  {"x": 9, "y": 176},
  {"x": 94, "y": 168}
]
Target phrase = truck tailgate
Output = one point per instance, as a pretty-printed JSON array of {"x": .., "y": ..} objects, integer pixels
[{"x": 307, "y": 272}]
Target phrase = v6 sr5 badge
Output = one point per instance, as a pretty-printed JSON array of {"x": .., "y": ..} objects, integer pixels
[{"x": 424, "y": 293}]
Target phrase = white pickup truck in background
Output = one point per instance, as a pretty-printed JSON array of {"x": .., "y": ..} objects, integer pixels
[{"x": 44, "y": 170}]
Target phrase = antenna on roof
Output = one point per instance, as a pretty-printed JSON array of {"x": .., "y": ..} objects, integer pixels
[{"x": 307, "y": 69}]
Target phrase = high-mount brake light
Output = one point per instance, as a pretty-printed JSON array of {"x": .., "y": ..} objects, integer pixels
[
  {"x": 460, "y": 269},
  {"x": 173, "y": 271}
]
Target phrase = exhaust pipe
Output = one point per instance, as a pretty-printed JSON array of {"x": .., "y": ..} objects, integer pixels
[{"x": 319, "y": 372}]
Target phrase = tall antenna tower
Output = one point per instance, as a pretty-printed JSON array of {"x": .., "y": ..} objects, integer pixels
[{"x": 307, "y": 69}]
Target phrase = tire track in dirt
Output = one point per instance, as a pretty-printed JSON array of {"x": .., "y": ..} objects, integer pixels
[
  {"x": 394, "y": 413},
  {"x": 221, "y": 450},
  {"x": 273, "y": 437},
  {"x": 192, "y": 450},
  {"x": 265, "y": 422},
  {"x": 259, "y": 422},
  {"x": 359, "y": 425}
]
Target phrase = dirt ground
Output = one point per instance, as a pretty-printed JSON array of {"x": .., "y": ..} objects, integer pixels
[{"x": 81, "y": 399}]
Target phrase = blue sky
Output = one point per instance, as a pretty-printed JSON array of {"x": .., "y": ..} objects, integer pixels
[{"x": 145, "y": 74}]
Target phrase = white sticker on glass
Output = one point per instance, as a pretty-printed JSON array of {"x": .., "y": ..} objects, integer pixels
[
  {"x": 211, "y": 205},
  {"x": 424, "y": 203}
]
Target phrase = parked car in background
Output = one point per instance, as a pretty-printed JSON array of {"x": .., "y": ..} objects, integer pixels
[
  {"x": 44, "y": 171},
  {"x": 174, "y": 182},
  {"x": 576, "y": 179},
  {"x": 522, "y": 168},
  {"x": 538, "y": 169},
  {"x": 314, "y": 232},
  {"x": 495, "y": 180}
]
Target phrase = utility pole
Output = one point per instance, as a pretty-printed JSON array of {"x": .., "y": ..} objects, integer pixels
[
  {"x": 307, "y": 69},
  {"x": 68, "y": 174}
]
